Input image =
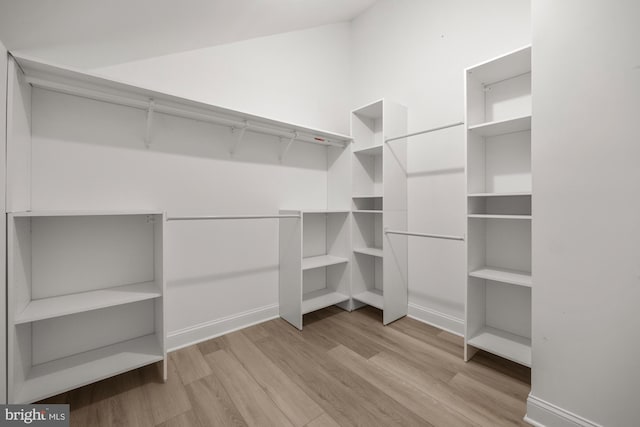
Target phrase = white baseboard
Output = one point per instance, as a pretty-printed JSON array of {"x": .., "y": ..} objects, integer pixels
[
  {"x": 435, "y": 318},
  {"x": 205, "y": 331},
  {"x": 544, "y": 414}
]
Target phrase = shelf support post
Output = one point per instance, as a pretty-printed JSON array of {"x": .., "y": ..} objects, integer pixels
[
  {"x": 285, "y": 149},
  {"x": 147, "y": 134},
  {"x": 237, "y": 140}
]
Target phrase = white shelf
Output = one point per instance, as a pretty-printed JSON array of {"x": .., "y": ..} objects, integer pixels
[
  {"x": 514, "y": 194},
  {"x": 504, "y": 344},
  {"x": 494, "y": 216},
  {"x": 377, "y": 252},
  {"x": 368, "y": 211},
  {"x": 48, "y": 308},
  {"x": 502, "y": 127},
  {"x": 376, "y": 150},
  {"x": 80, "y": 213},
  {"x": 513, "y": 277},
  {"x": 320, "y": 299},
  {"x": 75, "y": 371},
  {"x": 367, "y": 196},
  {"x": 373, "y": 298},
  {"x": 82, "y": 83},
  {"x": 324, "y": 211},
  {"x": 321, "y": 261},
  {"x": 503, "y": 67}
]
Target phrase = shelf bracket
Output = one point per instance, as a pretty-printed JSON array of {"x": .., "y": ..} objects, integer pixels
[
  {"x": 147, "y": 133},
  {"x": 285, "y": 149},
  {"x": 241, "y": 130}
]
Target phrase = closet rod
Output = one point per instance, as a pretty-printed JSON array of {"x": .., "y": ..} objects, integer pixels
[
  {"x": 433, "y": 236},
  {"x": 424, "y": 131},
  {"x": 216, "y": 217},
  {"x": 143, "y": 104}
]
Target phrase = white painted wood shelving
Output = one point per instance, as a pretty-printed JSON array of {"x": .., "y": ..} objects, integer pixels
[
  {"x": 499, "y": 285},
  {"x": 86, "y": 298},
  {"x": 315, "y": 265},
  {"x": 379, "y": 200}
]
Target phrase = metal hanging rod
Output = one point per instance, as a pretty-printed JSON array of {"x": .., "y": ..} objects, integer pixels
[
  {"x": 424, "y": 131},
  {"x": 433, "y": 236},
  {"x": 155, "y": 106},
  {"x": 216, "y": 217}
]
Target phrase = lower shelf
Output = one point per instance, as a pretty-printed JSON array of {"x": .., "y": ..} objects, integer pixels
[
  {"x": 57, "y": 376},
  {"x": 320, "y": 299},
  {"x": 373, "y": 298},
  {"x": 321, "y": 261},
  {"x": 504, "y": 344}
]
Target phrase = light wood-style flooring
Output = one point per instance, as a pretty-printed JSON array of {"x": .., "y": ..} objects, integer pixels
[{"x": 343, "y": 369}]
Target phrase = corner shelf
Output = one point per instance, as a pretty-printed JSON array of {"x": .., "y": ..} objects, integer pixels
[
  {"x": 502, "y": 127},
  {"x": 320, "y": 261},
  {"x": 504, "y": 344},
  {"x": 47, "y": 308},
  {"x": 503, "y": 275},
  {"x": 75, "y": 371},
  {"x": 375, "y": 252}
]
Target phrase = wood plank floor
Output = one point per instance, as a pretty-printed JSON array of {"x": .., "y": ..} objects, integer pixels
[{"x": 344, "y": 369}]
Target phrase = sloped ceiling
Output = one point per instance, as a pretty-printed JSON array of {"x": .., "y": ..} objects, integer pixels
[{"x": 97, "y": 33}]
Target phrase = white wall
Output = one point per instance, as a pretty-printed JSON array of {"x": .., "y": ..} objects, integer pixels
[
  {"x": 299, "y": 77},
  {"x": 3, "y": 229},
  {"x": 414, "y": 52},
  {"x": 586, "y": 229}
]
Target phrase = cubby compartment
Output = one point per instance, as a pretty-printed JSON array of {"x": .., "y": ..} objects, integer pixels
[
  {"x": 499, "y": 164},
  {"x": 499, "y": 319},
  {"x": 361, "y": 203},
  {"x": 512, "y": 205},
  {"x": 367, "y": 173},
  {"x": 86, "y": 292}
]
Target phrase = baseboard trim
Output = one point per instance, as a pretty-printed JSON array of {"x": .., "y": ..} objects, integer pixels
[
  {"x": 215, "y": 328},
  {"x": 542, "y": 414},
  {"x": 435, "y": 318}
]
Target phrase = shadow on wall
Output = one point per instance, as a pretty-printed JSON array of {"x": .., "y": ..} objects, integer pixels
[
  {"x": 73, "y": 119},
  {"x": 225, "y": 275}
]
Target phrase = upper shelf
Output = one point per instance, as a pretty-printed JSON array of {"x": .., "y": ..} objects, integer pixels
[
  {"x": 518, "y": 124},
  {"x": 79, "y": 213},
  {"x": 503, "y": 67},
  {"x": 71, "y": 81}
]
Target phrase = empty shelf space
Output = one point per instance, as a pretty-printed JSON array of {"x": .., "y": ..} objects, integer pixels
[
  {"x": 75, "y": 371},
  {"x": 372, "y": 297},
  {"x": 320, "y": 299},
  {"x": 48, "y": 308},
  {"x": 514, "y": 194},
  {"x": 502, "y": 127},
  {"x": 493, "y": 216},
  {"x": 376, "y": 150},
  {"x": 377, "y": 252},
  {"x": 504, "y": 344},
  {"x": 321, "y": 261},
  {"x": 514, "y": 277}
]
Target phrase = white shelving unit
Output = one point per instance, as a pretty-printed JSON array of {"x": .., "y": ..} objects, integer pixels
[
  {"x": 379, "y": 199},
  {"x": 314, "y": 262},
  {"x": 499, "y": 285},
  {"x": 86, "y": 298}
]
